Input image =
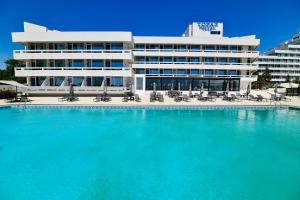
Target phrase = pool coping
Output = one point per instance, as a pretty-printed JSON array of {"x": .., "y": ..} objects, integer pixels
[{"x": 153, "y": 107}]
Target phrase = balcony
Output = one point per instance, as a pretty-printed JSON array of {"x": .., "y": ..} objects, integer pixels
[
  {"x": 72, "y": 54},
  {"x": 190, "y": 52},
  {"x": 195, "y": 65},
  {"x": 73, "y": 71}
]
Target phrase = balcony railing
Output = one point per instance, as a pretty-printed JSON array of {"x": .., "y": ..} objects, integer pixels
[
  {"x": 196, "y": 50},
  {"x": 71, "y": 51},
  {"x": 74, "y": 68},
  {"x": 196, "y": 63},
  {"x": 202, "y": 75}
]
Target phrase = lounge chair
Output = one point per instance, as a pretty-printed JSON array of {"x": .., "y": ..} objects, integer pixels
[
  {"x": 152, "y": 97},
  {"x": 252, "y": 97},
  {"x": 186, "y": 98},
  {"x": 176, "y": 98},
  {"x": 160, "y": 98},
  {"x": 202, "y": 98},
  {"x": 125, "y": 98},
  {"x": 284, "y": 98}
]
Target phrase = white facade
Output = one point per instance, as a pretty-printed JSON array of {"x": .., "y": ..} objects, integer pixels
[
  {"x": 201, "y": 56},
  {"x": 282, "y": 61}
]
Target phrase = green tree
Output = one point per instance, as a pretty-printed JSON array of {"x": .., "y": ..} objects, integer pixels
[
  {"x": 9, "y": 72},
  {"x": 266, "y": 76},
  {"x": 297, "y": 80}
]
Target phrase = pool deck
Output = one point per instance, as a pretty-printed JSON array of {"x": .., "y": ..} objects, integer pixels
[{"x": 117, "y": 101}]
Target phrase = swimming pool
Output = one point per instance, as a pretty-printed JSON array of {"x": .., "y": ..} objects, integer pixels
[{"x": 81, "y": 153}]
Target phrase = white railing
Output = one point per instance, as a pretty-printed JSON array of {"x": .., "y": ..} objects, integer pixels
[
  {"x": 196, "y": 63},
  {"x": 71, "y": 51},
  {"x": 202, "y": 75},
  {"x": 137, "y": 50},
  {"x": 77, "y": 89},
  {"x": 74, "y": 68},
  {"x": 196, "y": 50}
]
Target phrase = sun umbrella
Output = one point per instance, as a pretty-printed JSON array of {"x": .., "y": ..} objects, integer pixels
[
  {"x": 172, "y": 87},
  {"x": 71, "y": 91},
  {"x": 227, "y": 87},
  {"x": 248, "y": 90},
  {"x": 105, "y": 85},
  {"x": 190, "y": 90},
  {"x": 202, "y": 87},
  {"x": 178, "y": 87},
  {"x": 154, "y": 87},
  {"x": 275, "y": 89}
]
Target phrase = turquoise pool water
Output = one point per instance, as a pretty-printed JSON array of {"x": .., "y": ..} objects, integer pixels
[{"x": 71, "y": 153}]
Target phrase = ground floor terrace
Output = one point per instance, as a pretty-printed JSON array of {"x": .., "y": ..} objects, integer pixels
[{"x": 145, "y": 101}]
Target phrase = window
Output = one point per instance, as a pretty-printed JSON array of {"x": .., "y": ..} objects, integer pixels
[
  {"x": 194, "y": 71},
  {"x": 153, "y": 71},
  {"x": 58, "y": 81},
  {"x": 139, "y": 83},
  {"x": 181, "y": 71},
  {"x": 59, "y": 63},
  {"x": 221, "y": 72},
  {"x": 209, "y": 60},
  {"x": 168, "y": 59},
  {"x": 97, "y": 81},
  {"x": 139, "y": 46},
  {"x": 153, "y": 60},
  {"x": 180, "y": 59},
  {"x": 195, "y": 47},
  {"x": 116, "y": 81},
  {"x": 78, "y": 46},
  {"x": 167, "y": 71},
  {"x": 232, "y": 72},
  {"x": 77, "y": 81},
  {"x": 140, "y": 59},
  {"x": 97, "y": 63},
  {"x": 97, "y": 46},
  {"x": 117, "y": 46},
  {"x": 223, "y": 48},
  {"x": 117, "y": 63},
  {"x": 209, "y": 47},
  {"x": 222, "y": 60},
  {"x": 215, "y": 32},
  {"x": 78, "y": 63},
  {"x": 195, "y": 59},
  {"x": 209, "y": 72},
  {"x": 140, "y": 71}
]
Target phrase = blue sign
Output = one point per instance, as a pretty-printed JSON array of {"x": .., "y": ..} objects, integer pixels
[{"x": 207, "y": 26}]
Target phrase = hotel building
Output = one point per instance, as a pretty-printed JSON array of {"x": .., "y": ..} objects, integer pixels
[
  {"x": 282, "y": 61},
  {"x": 202, "y": 56}
]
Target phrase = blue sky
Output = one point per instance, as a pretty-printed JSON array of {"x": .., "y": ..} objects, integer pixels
[{"x": 271, "y": 21}]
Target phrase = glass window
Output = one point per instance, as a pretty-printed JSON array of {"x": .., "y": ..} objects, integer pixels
[
  {"x": 232, "y": 72},
  {"x": 117, "y": 46},
  {"x": 117, "y": 63},
  {"x": 59, "y": 46},
  {"x": 153, "y": 71},
  {"x": 139, "y": 83},
  {"x": 234, "y": 60},
  {"x": 140, "y": 71},
  {"x": 208, "y": 60},
  {"x": 167, "y": 71},
  {"x": 168, "y": 59},
  {"x": 116, "y": 81},
  {"x": 168, "y": 47},
  {"x": 153, "y": 59},
  {"x": 97, "y": 81},
  {"x": 40, "y": 80},
  {"x": 139, "y": 46},
  {"x": 194, "y": 71},
  {"x": 209, "y": 72},
  {"x": 222, "y": 60},
  {"x": 78, "y": 63},
  {"x": 140, "y": 58},
  {"x": 195, "y": 59},
  {"x": 195, "y": 47},
  {"x": 97, "y": 46},
  {"x": 59, "y": 63},
  {"x": 233, "y": 48},
  {"x": 223, "y": 48},
  {"x": 180, "y": 59},
  {"x": 58, "y": 81},
  {"x": 78, "y": 46},
  {"x": 77, "y": 81},
  {"x": 180, "y": 71},
  {"x": 97, "y": 63},
  {"x": 221, "y": 72},
  {"x": 209, "y": 47}
]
